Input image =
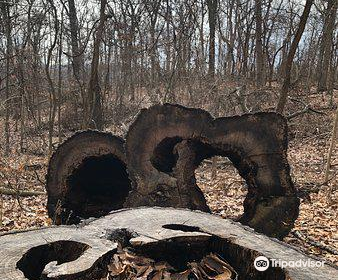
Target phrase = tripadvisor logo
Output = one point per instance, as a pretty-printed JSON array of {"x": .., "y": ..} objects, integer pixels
[{"x": 262, "y": 263}]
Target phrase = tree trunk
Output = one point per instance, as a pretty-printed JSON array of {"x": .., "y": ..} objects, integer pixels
[
  {"x": 163, "y": 170},
  {"x": 332, "y": 144},
  {"x": 86, "y": 177},
  {"x": 77, "y": 59},
  {"x": 5, "y": 10},
  {"x": 94, "y": 114},
  {"x": 173, "y": 236},
  {"x": 260, "y": 79},
  {"x": 326, "y": 47},
  {"x": 212, "y": 12},
  {"x": 153, "y": 9},
  {"x": 52, "y": 90},
  {"x": 288, "y": 65}
]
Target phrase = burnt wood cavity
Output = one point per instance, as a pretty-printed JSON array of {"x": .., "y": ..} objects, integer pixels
[{"x": 87, "y": 177}]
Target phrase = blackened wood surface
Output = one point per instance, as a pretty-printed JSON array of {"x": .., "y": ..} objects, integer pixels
[
  {"x": 163, "y": 170},
  {"x": 69, "y": 193}
]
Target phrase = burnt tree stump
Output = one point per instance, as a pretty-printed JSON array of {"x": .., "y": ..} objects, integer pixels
[
  {"x": 87, "y": 177},
  {"x": 163, "y": 234},
  {"x": 162, "y": 167}
]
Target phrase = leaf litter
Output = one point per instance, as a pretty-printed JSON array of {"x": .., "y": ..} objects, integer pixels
[{"x": 126, "y": 264}]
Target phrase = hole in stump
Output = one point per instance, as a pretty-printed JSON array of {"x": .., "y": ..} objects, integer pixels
[
  {"x": 180, "y": 251},
  {"x": 35, "y": 259},
  {"x": 96, "y": 187}
]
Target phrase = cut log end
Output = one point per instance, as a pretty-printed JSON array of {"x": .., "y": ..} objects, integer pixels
[{"x": 87, "y": 177}]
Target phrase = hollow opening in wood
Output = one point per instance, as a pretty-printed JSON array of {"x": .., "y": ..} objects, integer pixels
[
  {"x": 181, "y": 251},
  {"x": 35, "y": 259},
  {"x": 163, "y": 158},
  {"x": 186, "y": 158},
  {"x": 224, "y": 189},
  {"x": 97, "y": 186}
]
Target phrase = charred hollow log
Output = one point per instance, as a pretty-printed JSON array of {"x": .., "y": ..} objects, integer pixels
[
  {"x": 163, "y": 234},
  {"x": 162, "y": 168},
  {"x": 87, "y": 177},
  {"x": 151, "y": 171}
]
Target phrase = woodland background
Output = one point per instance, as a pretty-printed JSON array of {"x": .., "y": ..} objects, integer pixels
[{"x": 67, "y": 65}]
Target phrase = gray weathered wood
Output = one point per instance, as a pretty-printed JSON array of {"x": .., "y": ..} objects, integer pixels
[{"x": 148, "y": 228}]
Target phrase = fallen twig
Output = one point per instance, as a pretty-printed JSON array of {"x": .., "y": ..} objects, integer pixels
[
  {"x": 306, "y": 109},
  {"x": 7, "y": 191},
  {"x": 314, "y": 243}
]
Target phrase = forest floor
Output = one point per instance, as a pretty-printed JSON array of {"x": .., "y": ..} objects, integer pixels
[{"x": 225, "y": 192}]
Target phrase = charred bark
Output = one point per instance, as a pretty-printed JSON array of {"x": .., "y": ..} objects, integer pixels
[
  {"x": 178, "y": 139},
  {"x": 87, "y": 177},
  {"x": 151, "y": 169},
  {"x": 163, "y": 234}
]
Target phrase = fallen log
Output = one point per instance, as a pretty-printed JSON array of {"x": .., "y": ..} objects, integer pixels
[
  {"x": 87, "y": 177},
  {"x": 170, "y": 235},
  {"x": 162, "y": 169}
]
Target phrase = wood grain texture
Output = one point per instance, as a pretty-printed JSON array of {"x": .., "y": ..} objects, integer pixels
[{"x": 154, "y": 230}]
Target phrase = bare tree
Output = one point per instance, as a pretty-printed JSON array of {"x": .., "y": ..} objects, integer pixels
[
  {"x": 326, "y": 45},
  {"x": 155, "y": 51},
  {"x": 259, "y": 45},
  {"x": 5, "y": 10},
  {"x": 77, "y": 53},
  {"x": 212, "y": 12},
  {"x": 53, "y": 93},
  {"x": 288, "y": 66},
  {"x": 94, "y": 115}
]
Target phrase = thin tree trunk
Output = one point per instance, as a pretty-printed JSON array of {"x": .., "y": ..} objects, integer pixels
[
  {"x": 212, "y": 9},
  {"x": 325, "y": 53},
  {"x": 60, "y": 80},
  {"x": 333, "y": 141},
  {"x": 288, "y": 66},
  {"x": 77, "y": 60},
  {"x": 6, "y": 15},
  {"x": 259, "y": 47},
  {"x": 94, "y": 99},
  {"x": 53, "y": 98}
]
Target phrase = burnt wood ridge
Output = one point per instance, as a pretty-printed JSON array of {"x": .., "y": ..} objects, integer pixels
[
  {"x": 176, "y": 236},
  {"x": 166, "y": 143}
]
